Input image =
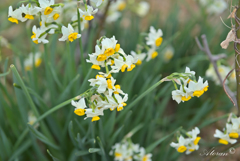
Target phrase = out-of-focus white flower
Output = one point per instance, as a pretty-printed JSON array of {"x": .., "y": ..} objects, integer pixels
[
  {"x": 46, "y": 6},
  {"x": 142, "y": 156},
  {"x": 224, "y": 138},
  {"x": 15, "y": 15},
  {"x": 80, "y": 107},
  {"x": 138, "y": 58},
  {"x": 97, "y": 3},
  {"x": 113, "y": 16},
  {"x": 88, "y": 14},
  {"x": 223, "y": 71},
  {"x": 69, "y": 34},
  {"x": 40, "y": 34},
  {"x": 152, "y": 53},
  {"x": 84, "y": 23},
  {"x": 30, "y": 11},
  {"x": 181, "y": 145},
  {"x": 53, "y": 16},
  {"x": 32, "y": 119},
  {"x": 214, "y": 6},
  {"x": 154, "y": 38},
  {"x": 168, "y": 53},
  {"x": 94, "y": 114},
  {"x": 33, "y": 59},
  {"x": 142, "y": 8}
]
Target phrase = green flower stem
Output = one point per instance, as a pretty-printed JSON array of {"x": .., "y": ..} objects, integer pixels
[
  {"x": 30, "y": 101},
  {"x": 237, "y": 60},
  {"x": 71, "y": 66},
  {"x": 80, "y": 43},
  {"x": 22, "y": 136},
  {"x": 106, "y": 66},
  {"x": 124, "y": 112}
]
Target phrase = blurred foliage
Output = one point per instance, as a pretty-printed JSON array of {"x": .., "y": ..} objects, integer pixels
[{"x": 69, "y": 137}]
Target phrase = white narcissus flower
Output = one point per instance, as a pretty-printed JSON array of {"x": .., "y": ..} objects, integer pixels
[
  {"x": 193, "y": 145},
  {"x": 120, "y": 64},
  {"x": 232, "y": 130},
  {"x": 224, "y": 138},
  {"x": 97, "y": 3},
  {"x": 69, "y": 34},
  {"x": 121, "y": 101},
  {"x": 30, "y": 11},
  {"x": 39, "y": 34},
  {"x": 80, "y": 107},
  {"x": 15, "y": 15},
  {"x": 181, "y": 145},
  {"x": 152, "y": 53},
  {"x": 88, "y": 14},
  {"x": 181, "y": 96},
  {"x": 46, "y": 6},
  {"x": 217, "y": 7},
  {"x": 142, "y": 8},
  {"x": 122, "y": 152},
  {"x": 142, "y": 156},
  {"x": 138, "y": 58},
  {"x": 154, "y": 38},
  {"x": 223, "y": 71},
  {"x": 187, "y": 70},
  {"x": 168, "y": 53},
  {"x": 84, "y": 23},
  {"x": 198, "y": 88},
  {"x": 35, "y": 60},
  {"x": 53, "y": 16},
  {"x": 112, "y": 16},
  {"x": 94, "y": 114}
]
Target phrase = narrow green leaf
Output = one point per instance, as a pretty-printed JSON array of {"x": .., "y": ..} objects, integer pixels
[{"x": 54, "y": 158}]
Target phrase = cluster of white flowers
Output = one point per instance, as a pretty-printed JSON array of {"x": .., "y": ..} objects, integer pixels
[
  {"x": 189, "y": 144},
  {"x": 214, "y": 6},
  {"x": 32, "y": 60},
  {"x": 50, "y": 18},
  {"x": 154, "y": 40},
  {"x": 127, "y": 151},
  {"x": 189, "y": 87},
  {"x": 223, "y": 71},
  {"x": 106, "y": 94},
  {"x": 109, "y": 53},
  {"x": 231, "y": 133}
]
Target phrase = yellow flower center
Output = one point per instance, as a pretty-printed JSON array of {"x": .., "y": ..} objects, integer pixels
[
  {"x": 80, "y": 112},
  {"x": 154, "y": 54},
  {"x": 168, "y": 55},
  {"x": 119, "y": 108},
  {"x": 101, "y": 57},
  {"x": 122, "y": 6},
  {"x": 72, "y": 36},
  {"x": 124, "y": 104},
  {"x": 27, "y": 68},
  {"x": 109, "y": 52},
  {"x": 186, "y": 99},
  {"x": 124, "y": 67},
  {"x": 112, "y": 61},
  {"x": 109, "y": 76},
  {"x": 222, "y": 141},
  {"x": 130, "y": 69},
  {"x": 112, "y": 109},
  {"x": 198, "y": 93},
  {"x": 29, "y": 17},
  {"x": 195, "y": 142},
  {"x": 99, "y": 76},
  {"x": 88, "y": 18},
  {"x": 117, "y": 47},
  {"x": 139, "y": 62},
  {"x": 34, "y": 36},
  {"x": 14, "y": 20},
  {"x": 55, "y": 16},
  {"x": 40, "y": 23},
  {"x": 38, "y": 62},
  {"x": 95, "y": 118},
  {"x": 205, "y": 88},
  {"x": 145, "y": 158},
  {"x": 117, "y": 154},
  {"x": 48, "y": 10},
  {"x": 234, "y": 135},
  {"x": 117, "y": 87},
  {"x": 97, "y": 67},
  {"x": 158, "y": 42},
  {"x": 109, "y": 83},
  {"x": 182, "y": 149},
  {"x": 191, "y": 150}
]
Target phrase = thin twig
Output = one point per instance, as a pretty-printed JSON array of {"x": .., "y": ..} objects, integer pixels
[{"x": 213, "y": 60}]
